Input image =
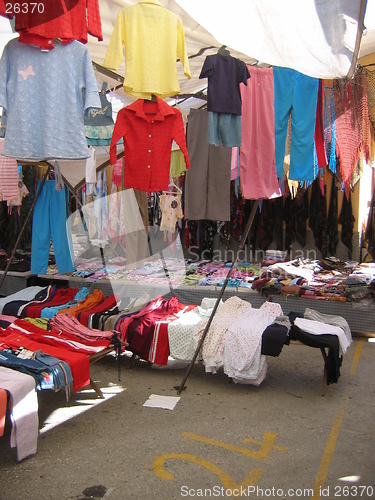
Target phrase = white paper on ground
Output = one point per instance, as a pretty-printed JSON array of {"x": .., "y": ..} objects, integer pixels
[{"x": 165, "y": 402}]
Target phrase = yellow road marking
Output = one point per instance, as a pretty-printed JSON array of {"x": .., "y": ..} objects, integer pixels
[
  {"x": 263, "y": 452},
  {"x": 356, "y": 357},
  {"x": 334, "y": 434},
  {"x": 249, "y": 480}
]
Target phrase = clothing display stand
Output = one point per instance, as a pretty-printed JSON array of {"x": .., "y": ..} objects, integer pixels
[
  {"x": 205, "y": 331},
  {"x": 49, "y": 167}
]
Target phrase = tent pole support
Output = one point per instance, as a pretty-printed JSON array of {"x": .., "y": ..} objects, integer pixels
[
  {"x": 204, "y": 334},
  {"x": 24, "y": 224}
]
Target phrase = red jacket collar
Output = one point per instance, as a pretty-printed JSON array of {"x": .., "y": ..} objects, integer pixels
[{"x": 163, "y": 109}]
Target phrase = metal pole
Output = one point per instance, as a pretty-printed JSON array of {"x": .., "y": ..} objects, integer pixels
[
  {"x": 24, "y": 224},
  {"x": 204, "y": 334}
]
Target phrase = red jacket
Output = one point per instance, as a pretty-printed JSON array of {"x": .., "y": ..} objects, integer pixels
[
  {"x": 148, "y": 129},
  {"x": 65, "y": 19}
]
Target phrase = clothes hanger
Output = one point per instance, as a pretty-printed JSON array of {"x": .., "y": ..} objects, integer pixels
[
  {"x": 223, "y": 51},
  {"x": 172, "y": 184},
  {"x": 150, "y": 111},
  {"x": 104, "y": 88}
]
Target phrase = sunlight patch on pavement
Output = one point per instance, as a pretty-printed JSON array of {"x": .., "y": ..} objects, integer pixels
[{"x": 79, "y": 406}]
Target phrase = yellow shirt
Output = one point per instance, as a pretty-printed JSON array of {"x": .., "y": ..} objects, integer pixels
[{"x": 153, "y": 38}]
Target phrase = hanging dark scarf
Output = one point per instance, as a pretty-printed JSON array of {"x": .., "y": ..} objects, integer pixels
[
  {"x": 271, "y": 224},
  {"x": 318, "y": 217},
  {"x": 295, "y": 216},
  {"x": 209, "y": 230},
  {"x": 347, "y": 219},
  {"x": 333, "y": 232},
  {"x": 252, "y": 238},
  {"x": 370, "y": 227},
  {"x": 265, "y": 231},
  {"x": 237, "y": 214}
]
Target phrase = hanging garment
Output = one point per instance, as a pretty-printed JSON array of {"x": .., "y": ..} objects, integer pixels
[
  {"x": 90, "y": 169},
  {"x": 257, "y": 155},
  {"x": 61, "y": 19},
  {"x": 225, "y": 74},
  {"x": 99, "y": 124},
  {"x": 3, "y": 409},
  {"x": 235, "y": 164},
  {"x": 224, "y": 129},
  {"x": 95, "y": 207},
  {"x": 171, "y": 208},
  {"x": 370, "y": 227},
  {"x": 238, "y": 214},
  {"x": 319, "y": 129},
  {"x": 134, "y": 224},
  {"x": 352, "y": 124},
  {"x": 30, "y": 80},
  {"x": 208, "y": 230},
  {"x": 318, "y": 217},
  {"x": 329, "y": 119},
  {"x": 147, "y": 129},
  {"x": 3, "y": 123},
  {"x": 49, "y": 219},
  {"x": 271, "y": 224},
  {"x": 8, "y": 176},
  {"x": 295, "y": 215},
  {"x": 23, "y": 403},
  {"x": 207, "y": 182},
  {"x": 347, "y": 219},
  {"x": 117, "y": 171},
  {"x": 113, "y": 215},
  {"x": 21, "y": 192},
  {"x": 153, "y": 39},
  {"x": 333, "y": 232},
  {"x": 370, "y": 74},
  {"x": 178, "y": 165},
  {"x": 295, "y": 94}
]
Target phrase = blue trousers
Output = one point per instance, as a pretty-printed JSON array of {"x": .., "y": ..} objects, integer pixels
[
  {"x": 49, "y": 219},
  {"x": 295, "y": 94}
]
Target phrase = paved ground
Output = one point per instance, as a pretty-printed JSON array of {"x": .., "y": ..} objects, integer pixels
[{"x": 279, "y": 440}]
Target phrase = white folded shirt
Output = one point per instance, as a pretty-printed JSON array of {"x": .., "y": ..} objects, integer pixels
[{"x": 320, "y": 328}]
